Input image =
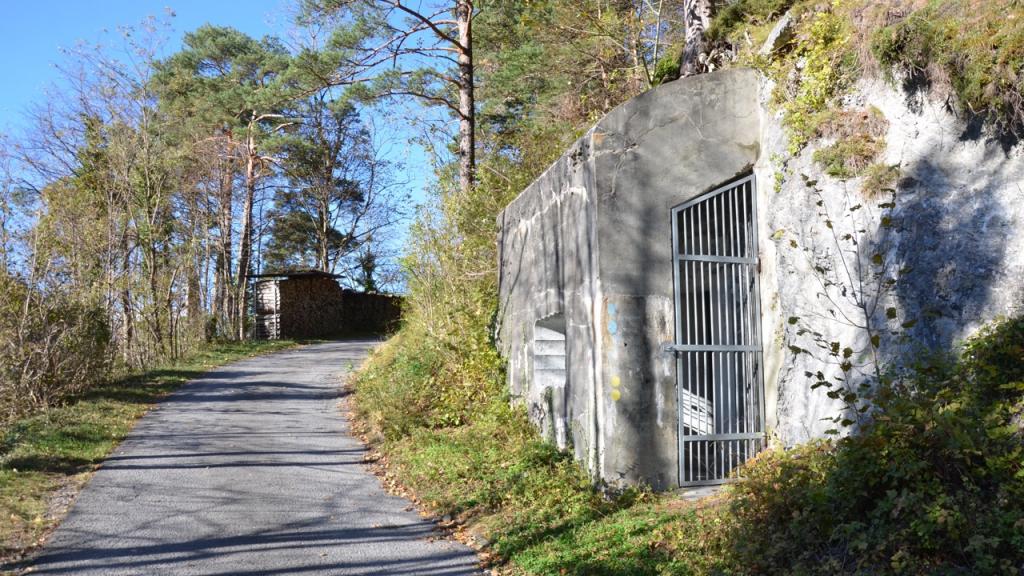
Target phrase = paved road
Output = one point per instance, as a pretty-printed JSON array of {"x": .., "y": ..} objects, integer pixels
[{"x": 248, "y": 470}]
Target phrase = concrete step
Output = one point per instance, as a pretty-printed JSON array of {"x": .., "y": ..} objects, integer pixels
[
  {"x": 548, "y": 377},
  {"x": 549, "y": 362},
  {"x": 547, "y": 347}
]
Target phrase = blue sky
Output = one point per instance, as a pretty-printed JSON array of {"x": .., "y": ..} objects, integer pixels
[{"x": 32, "y": 34}]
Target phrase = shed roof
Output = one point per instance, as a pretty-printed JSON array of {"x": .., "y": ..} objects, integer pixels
[{"x": 298, "y": 274}]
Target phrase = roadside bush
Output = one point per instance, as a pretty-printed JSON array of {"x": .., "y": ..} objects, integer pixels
[
  {"x": 935, "y": 484},
  {"x": 50, "y": 347}
]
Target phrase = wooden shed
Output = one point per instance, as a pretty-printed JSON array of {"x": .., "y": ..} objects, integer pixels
[{"x": 311, "y": 304}]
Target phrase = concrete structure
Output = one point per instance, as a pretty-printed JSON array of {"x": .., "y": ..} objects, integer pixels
[
  {"x": 595, "y": 253},
  {"x": 587, "y": 299},
  {"x": 605, "y": 295}
]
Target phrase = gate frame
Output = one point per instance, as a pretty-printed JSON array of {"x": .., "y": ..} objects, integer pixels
[{"x": 757, "y": 350}]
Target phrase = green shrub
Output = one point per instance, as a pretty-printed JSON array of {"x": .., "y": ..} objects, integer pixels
[
  {"x": 51, "y": 347},
  {"x": 666, "y": 68},
  {"x": 850, "y": 157},
  {"x": 934, "y": 484}
]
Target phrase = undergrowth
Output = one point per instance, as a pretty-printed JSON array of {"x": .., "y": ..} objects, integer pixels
[
  {"x": 973, "y": 49},
  {"x": 934, "y": 485},
  {"x": 858, "y": 140}
]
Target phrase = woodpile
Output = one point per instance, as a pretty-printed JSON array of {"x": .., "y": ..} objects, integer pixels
[
  {"x": 363, "y": 313},
  {"x": 313, "y": 305}
]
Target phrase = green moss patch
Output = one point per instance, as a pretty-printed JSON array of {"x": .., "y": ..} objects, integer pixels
[{"x": 859, "y": 138}]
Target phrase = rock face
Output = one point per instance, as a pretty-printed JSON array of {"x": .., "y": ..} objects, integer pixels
[
  {"x": 952, "y": 243},
  {"x": 586, "y": 269},
  {"x": 780, "y": 35}
]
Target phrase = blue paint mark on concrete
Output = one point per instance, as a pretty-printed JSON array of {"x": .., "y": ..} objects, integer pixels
[
  {"x": 612, "y": 309},
  {"x": 613, "y": 327}
]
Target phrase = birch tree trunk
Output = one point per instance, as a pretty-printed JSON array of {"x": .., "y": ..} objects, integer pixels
[
  {"x": 696, "y": 19},
  {"x": 245, "y": 241},
  {"x": 467, "y": 102}
]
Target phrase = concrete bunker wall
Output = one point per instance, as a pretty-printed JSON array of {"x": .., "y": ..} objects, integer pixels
[
  {"x": 547, "y": 268},
  {"x": 591, "y": 239}
]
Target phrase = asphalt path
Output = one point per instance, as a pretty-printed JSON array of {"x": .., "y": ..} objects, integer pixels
[{"x": 249, "y": 469}]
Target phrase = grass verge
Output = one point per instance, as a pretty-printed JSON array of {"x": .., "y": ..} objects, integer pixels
[
  {"x": 532, "y": 507},
  {"x": 933, "y": 485},
  {"x": 45, "y": 458}
]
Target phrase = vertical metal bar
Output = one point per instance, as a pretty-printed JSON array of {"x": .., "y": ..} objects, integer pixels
[
  {"x": 700, "y": 268},
  {"x": 719, "y": 268},
  {"x": 732, "y": 399},
  {"x": 691, "y": 309},
  {"x": 750, "y": 319},
  {"x": 749, "y": 271},
  {"x": 713, "y": 271},
  {"x": 734, "y": 281},
  {"x": 695, "y": 456},
  {"x": 694, "y": 238},
  {"x": 702, "y": 380},
  {"x": 746, "y": 279},
  {"x": 759, "y": 382},
  {"x": 677, "y": 299},
  {"x": 716, "y": 208},
  {"x": 692, "y": 270},
  {"x": 705, "y": 461},
  {"x": 737, "y": 395},
  {"x": 741, "y": 378},
  {"x": 723, "y": 411},
  {"x": 736, "y": 274},
  {"x": 726, "y": 225},
  {"x": 678, "y": 233},
  {"x": 684, "y": 459},
  {"x": 712, "y": 381},
  {"x": 720, "y": 339},
  {"x": 716, "y": 329},
  {"x": 705, "y": 373},
  {"x": 686, "y": 463},
  {"x": 701, "y": 225}
]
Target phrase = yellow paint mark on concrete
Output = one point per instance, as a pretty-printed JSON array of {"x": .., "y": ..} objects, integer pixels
[
  {"x": 616, "y": 395},
  {"x": 616, "y": 381}
]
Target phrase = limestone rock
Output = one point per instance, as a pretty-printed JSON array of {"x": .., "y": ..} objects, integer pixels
[{"x": 781, "y": 34}]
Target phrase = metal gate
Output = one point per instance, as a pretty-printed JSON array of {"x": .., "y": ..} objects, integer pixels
[{"x": 718, "y": 334}]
